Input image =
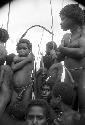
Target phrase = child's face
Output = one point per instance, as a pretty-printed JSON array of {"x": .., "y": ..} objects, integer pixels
[
  {"x": 45, "y": 91},
  {"x": 48, "y": 49},
  {"x": 23, "y": 49}
]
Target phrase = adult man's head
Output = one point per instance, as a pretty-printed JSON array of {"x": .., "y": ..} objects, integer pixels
[
  {"x": 39, "y": 113},
  {"x": 64, "y": 91}
]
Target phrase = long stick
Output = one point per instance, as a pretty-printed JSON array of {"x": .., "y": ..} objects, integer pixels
[
  {"x": 33, "y": 27},
  {"x": 52, "y": 19},
  {"x": 8, "y": 16}
]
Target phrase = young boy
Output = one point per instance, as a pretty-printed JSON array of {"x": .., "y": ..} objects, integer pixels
[{"x": 22, "y": 67}]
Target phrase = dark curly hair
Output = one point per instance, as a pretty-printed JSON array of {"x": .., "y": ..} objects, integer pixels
[
  {"x": 74, "y": 12},
  {"x": 65, "y": 91},
  {"x": 52, "y": 45},
  {"x": 3, "y": 35},
  {"x": 29, "y": 45},
  {"x": 42, "y": 103}
]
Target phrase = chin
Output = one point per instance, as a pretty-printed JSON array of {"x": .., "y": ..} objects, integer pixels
[{"x": 63, "y": 28}]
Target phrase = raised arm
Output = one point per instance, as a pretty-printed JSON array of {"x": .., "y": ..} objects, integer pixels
[
  {"x": 28, "y": 59},
  {"x": 18, "y": 59}
]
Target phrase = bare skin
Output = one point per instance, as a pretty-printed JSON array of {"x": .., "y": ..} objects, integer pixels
[
  {"x": 36, "y": 116},
  {"x": 22, "y": 67},
  {"x": 5, "y": 89},
  {"x": 22, "y": 70},
  {"x": 73, "y": 50}
]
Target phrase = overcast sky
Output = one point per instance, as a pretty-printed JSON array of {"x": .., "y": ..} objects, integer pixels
[{"x": 25, "y": 13}]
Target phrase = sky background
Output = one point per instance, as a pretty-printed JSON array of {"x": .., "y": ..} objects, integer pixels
[{"x": 24, "y": 14}]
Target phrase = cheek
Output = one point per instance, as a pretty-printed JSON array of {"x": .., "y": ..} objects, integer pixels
[
  {"x": 64, "y": 24},
  {"x": 42, "y": 122},
  {"x": 20, "y": 51},
  {"x": 29, "y": 122},
  {"x": 27, "y": 51},
  {"x": 48, "y": 93}
]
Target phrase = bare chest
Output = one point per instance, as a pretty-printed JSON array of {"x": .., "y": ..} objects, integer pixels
[{"x": 23, "y": 76}]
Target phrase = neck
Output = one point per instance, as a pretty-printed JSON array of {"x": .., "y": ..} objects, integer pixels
[
  {"x": 75, "y": 29},
  {"x": 76, "y": 32}
]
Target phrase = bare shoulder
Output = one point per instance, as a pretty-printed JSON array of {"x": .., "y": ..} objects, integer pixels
[
  {"x": 31, "y": 55},
  {"x": 82, "y": 41},
  {"x": 82, "y": 38}
]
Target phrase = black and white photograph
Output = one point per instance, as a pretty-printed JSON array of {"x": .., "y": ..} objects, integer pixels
[{"x": 42, "y": 62}]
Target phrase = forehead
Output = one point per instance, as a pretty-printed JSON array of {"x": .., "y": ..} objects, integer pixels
[
  {"x": 49, "y": 45},
  {"x": 46, "y": 87},
  {"x": 22, "y": 44},
  {"x": 36, "y": 110}
]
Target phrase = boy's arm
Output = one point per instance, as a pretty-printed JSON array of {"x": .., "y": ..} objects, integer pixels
[
  {"x": 21, "y": 64},
  {"x": 18, "y": 59}
]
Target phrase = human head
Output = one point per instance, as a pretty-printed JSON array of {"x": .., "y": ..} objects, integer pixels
[
  {"x": 24, "y": 47},
  {"x": 45, "y": 92},
  {"x": 3, "y": 35},
  {"x": 46, "y": 89},
  {"x": 9, "y": 59},
  {"x": 71, "y": 15},
  {"x": 39, "y": 113},
  {"x": 50, "y": 45},
  {"x": 64, "y": 91}
]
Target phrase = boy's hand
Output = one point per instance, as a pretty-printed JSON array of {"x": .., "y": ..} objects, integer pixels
[{"x": 52, "y": 52}]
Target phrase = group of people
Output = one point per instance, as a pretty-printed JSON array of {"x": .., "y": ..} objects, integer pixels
[{"x": 55, "y": 102}]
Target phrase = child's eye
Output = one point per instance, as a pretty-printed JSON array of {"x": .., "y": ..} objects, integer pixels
[
  {"x": 25, "y": 48},
  {"x": 39, "y": 117}
]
